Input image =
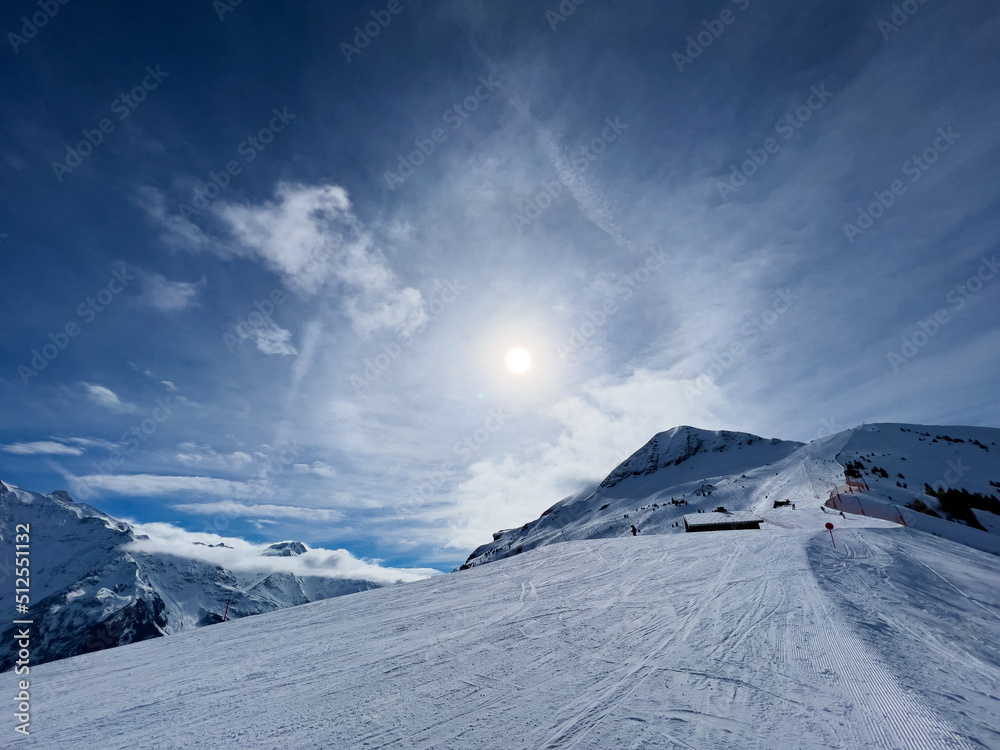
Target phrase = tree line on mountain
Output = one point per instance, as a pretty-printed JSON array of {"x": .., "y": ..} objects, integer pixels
[{"x": 958, "y": 504}]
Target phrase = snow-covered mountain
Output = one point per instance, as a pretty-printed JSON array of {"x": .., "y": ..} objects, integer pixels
[
  {"x": 769, "y": 638},
  {"x": 93, "y": 588},
  {"x": 688, "y": 470},
  {"x": 733, "y": 640}
]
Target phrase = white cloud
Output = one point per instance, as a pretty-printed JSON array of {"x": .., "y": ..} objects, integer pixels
[
  {"x": 589, "y": 200},
  {"x": 300, "y": 235},
  {"x": 244, "y": 510},
  {"x": 162, "y": 294},
  {"x": 240, "y": 457},
  {"x": 310, "y": 236},
  {"x": 195, "y": 454},
  {"x": 177, "y": 229},
  {"x": 599, "y": 429},
  {"x": 310, "y": 347},
  {"x": 246, "y": 557},
  {"x": 42, "y": 447},
  {"x": 318, "y": 468},
  {"x": 106, "y": 397},
  {"x": 151, "y": 485},
  {"x": 89, "y": 442},
  {"x": 273, "y": 339}
]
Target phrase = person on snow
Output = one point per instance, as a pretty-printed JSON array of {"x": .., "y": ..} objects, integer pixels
[{"x": 634, "y": 530}]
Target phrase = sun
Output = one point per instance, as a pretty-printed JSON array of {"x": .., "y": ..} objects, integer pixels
[{"x": 518, "y": 360}]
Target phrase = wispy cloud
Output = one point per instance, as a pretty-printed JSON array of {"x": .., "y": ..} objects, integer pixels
[
  {"x": 106, "y": 397},
  {"x": 310, "y": 236},
  {"x": 318, "y": 468},
  {"x": 42, "y": 447},
  {"x": 151, "y": 485},
  {"x": 271, "y": 338},
  {"x": 194, "y": 454},
  {"x": 249, "y": 510},
  {"x": 165, "y": 295},
  {"x": 176, "y": 230},
  {"x": 88, "y": 442}
]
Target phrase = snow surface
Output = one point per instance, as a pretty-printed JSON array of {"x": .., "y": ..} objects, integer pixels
[
  {"x": 571, "y": 633},
  {"x": 770, "y": 640}
]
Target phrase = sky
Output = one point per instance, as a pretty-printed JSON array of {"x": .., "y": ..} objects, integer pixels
[{"x": 262, "y": 264}]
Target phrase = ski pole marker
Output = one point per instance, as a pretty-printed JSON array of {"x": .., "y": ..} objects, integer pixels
[{"x": 829, "y": 527}]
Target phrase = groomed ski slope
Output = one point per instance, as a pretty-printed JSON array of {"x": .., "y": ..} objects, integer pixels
[{"x": 767, "y": 639}]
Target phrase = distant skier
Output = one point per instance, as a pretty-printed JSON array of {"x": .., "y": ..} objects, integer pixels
[
  {"x": 793, "y": 506},
  {"x": 634, "y": 530}
]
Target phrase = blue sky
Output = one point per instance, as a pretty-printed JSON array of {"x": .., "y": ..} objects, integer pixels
[{"x": 262, "y": 265}]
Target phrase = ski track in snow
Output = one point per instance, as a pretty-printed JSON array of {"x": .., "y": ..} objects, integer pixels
[
  {"x": 899, "y": 721},
  {"x": 728, "y": 641}
]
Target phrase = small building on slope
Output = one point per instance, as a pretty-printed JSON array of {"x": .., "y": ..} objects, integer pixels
[{"x": 721, "y": 520}]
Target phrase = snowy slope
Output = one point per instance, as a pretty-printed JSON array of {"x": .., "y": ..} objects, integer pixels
[
  {"x": 741, "y": 640},
  {"x": 687, "y": 470},
  {"x": 91, "y": 589}
]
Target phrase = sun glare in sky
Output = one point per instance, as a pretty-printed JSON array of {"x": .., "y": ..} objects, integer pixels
[{"x": 518, "y": 360}]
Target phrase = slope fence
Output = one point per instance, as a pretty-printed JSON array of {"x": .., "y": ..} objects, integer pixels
[{"x": 848, "y": 498}]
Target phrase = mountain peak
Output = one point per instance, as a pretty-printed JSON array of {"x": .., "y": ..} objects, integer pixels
[
  {"x": 674, "y": 447},
  {"x": 94, "y": 588},
  {"x": 285, "y": 549},
  {"x": 943, "y": 478}
]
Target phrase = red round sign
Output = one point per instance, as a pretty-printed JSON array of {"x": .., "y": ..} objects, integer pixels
[{"x": 830, "y": 526}]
